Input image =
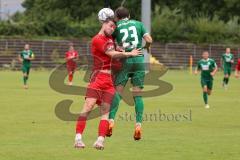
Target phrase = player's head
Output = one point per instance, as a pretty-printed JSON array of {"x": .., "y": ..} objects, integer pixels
[
  {"x": 205, "y": 54},
  {"x": 26, "y": 46},
  {"x": 228, "y": 50},
  {"x": 108, "y": 27},
  {"x": 71, "y": 47},
  {"x": 121, "y": 13}
]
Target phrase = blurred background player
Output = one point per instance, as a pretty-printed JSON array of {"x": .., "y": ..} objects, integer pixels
[
  {"x": 237, "y": 69},
  {"x": 100, "y": 89},
  {"x": 227, "y": 62},
  {"x": 208, "y": 68},
  {"x": 129, "y": 35},
  {"x": 71, "y": 57},
  {"x": 25, "y": 57}
]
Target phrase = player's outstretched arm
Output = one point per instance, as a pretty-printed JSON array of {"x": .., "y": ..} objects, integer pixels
[
  {"x": 20, "y": 58},
  {"x": 196, "y": 71},
  {"x": 117, "y": 54}
]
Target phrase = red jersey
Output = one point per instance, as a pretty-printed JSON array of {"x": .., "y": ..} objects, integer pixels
[
  {"x": 238, "y": 65},
  {"x": 70, "y": 54},
  {"x": 100, "y": 44}
]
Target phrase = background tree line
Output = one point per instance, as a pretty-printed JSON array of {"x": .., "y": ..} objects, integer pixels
[{"x": 202, "y": 21}]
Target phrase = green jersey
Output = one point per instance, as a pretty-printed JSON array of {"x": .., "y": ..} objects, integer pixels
[
  {"x": 129, "y": 34},
  {"x": 206, "y": 67},
  {"x": 26, "y": 54},
  {"x": 226, "y": 59}
]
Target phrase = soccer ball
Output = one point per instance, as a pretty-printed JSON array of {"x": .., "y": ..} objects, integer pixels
[{"x": 104, "y": 14}]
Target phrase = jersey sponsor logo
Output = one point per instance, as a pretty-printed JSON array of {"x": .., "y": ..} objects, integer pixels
[{"x": 205, "y": 67}]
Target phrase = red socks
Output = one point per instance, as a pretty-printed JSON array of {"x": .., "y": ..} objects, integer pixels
[
  {"x": 81, "y": 123},
  {"x": 70, "y": 77},
  {"x": 103, "y": 128}
]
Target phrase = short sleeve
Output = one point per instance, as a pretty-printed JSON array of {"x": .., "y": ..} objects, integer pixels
[
  {"x": 109, "y": 46},
  {"x": 214, "y": 64}
]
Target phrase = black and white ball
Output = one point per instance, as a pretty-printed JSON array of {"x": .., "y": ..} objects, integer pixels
[{"x": 104, "y": 14}]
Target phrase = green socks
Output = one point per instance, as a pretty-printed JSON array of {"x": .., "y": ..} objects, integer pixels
[
  {"x": 205, "y": 97},
  {"x": 138, "y": 108},
  {"x": 114, "y": 106},
  {"x": 225, "y": 80},
  {"x": 25, "y": 78}
]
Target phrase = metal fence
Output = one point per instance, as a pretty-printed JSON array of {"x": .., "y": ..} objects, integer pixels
[{"x": 50, "y": 53}]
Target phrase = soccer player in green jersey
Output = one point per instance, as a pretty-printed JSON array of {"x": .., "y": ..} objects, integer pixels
[
  {"x": 208, "y": 68},
  {"x": 25, "y": 57},
  {"x": 227, "y": 62},
  {"x": 129, "y": 35}
]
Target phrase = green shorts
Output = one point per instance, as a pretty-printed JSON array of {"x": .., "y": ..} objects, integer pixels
[
  {"x": 208, "y": 83},
  {"x": 26, "y": 69},
  {"x": 134, "y": 68},
  {"x": 227, "y": 71}
]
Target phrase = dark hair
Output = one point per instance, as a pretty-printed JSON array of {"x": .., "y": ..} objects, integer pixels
[{"x": 122, "y": 12}]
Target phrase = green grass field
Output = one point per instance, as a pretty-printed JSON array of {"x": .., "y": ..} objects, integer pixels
[{"x": 31, "y": 131}]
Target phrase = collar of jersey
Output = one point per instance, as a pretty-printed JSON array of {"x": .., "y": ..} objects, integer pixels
[{"x": 206, "y": 60}]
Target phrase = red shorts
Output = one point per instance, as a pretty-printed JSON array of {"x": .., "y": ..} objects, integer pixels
[
  {"x": 71, "y": 68},
  {"x": 101, "y": 87}
]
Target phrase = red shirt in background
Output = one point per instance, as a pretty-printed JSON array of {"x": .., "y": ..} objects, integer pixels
[
  {"x": 71, "y": 54},
  {"x": 238, "y": 65}
]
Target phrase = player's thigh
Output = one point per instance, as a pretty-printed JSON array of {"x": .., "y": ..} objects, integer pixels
[
  {"x": 226, "y": 71},
  {"x": 28, "y": 70},
  {"x": 204, "y": 85},
  {"x": 123, "y": 75},
  {"x": 210, "y": 85},
  {"x": 108, "y": 94},
  {"x": 138, "y": 74},
  {"x": 104, "y": 110},
  {"x": 229, "y": 71},
  {"x": 88, "y": 105},
  {"x": 24, "y": 70},
  {"x": 70, "y": 69}
]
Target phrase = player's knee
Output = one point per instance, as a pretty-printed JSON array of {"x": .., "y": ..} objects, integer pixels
[
  {"x": 88, "y": 105},
  {"x": 209, "y": 92},
  {"x": 105, "y": 116},
  {"x": 105, "y": 108},
  {"x": 137, "y": 91},
  {"x": 205, "y": 89}
]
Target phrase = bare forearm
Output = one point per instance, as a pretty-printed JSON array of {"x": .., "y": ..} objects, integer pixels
[{"x": 117, "y": 54}]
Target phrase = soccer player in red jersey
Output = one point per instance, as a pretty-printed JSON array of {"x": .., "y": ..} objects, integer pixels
[
  {"x": 71, "y": 57},
  {"x": 100, "y": 90},
  {"x": 237, "y": 69}
]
